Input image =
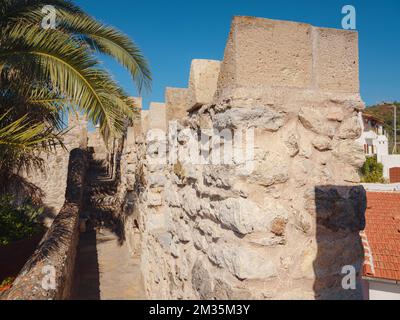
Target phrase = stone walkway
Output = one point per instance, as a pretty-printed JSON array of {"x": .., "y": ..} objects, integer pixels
[
  {"x": 104, "y": 269},
  {"x": 120, "y": 276}
]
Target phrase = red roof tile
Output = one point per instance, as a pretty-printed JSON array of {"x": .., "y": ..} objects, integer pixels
[{"x": 381, "y": 237}]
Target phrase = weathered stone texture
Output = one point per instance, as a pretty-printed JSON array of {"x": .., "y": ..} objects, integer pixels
[
  {"x": 145, "y": 120},
  {"x": 203, "y": 80},
  {"x": 285, "y": 228},
  {"x": 272, "y": 53},
  {"x": 157, "y": 116},
  {"x": 178, "y": 101},
  {"x": 336, "y": 60},
  {"x": 53, "y": 178}
]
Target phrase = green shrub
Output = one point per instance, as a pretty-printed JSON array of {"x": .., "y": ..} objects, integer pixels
[
  {"x": 372, "y": 171},
  {"x": 18, "y": 221}
]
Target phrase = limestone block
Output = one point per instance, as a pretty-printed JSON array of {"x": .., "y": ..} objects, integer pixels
[
  {"x": 183, "y": 231},
  {"x": 154, "y": 199},
  {"x": 156, "y": 180},
  {"x": 145, "y": 121},
  {"x": 203, "y": 80},
  {"x": 131, "y": 168},
  {"x": 265, "y": 239},
  {"x": 217, "y": 176},
  {"x": 349, "y": 152},
  {"x": 260, "y": 117},
  {"x": 130, "y": 137},
  {"x": 242, "y": 261},
  {"x": 200, "y": 242},
  {"x": 175, "y": 249},
  {"x": 130, "y": 182},
  {"x": 336, "y": 61},
  {"x": 291, "y": 143},
  {"x": 158, "y": 116},
  {"x": 171, "y": 196},
  {"x": 264, "y": 52},
  {"x": 245, "y": 216},
  {"x": 202, "y": 279},
  {"x": 190, "y": 201},
  {"x": 178, "y": 101},
  {"x": 272, "y": 170},
  {"x": 156, "y": 149},
  {"x": 322, "y": 143},
  {"x": 210, "y": 229},
  {"x": 227, "y": 289},
  {"x": 155, "y": 221},
  {"x": 350, "y": 129},
  {"x": 165, "y": 240},
  {"x": 313, "y": 118}
]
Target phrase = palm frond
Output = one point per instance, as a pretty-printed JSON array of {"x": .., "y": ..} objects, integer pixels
[
  {"x": 43, "y": 73},
  {"x": 107, "y": 40},
  {"x": 71, "y": 69},
  {"x": 24, "y": 135},
  {"x": 14, "y": 9},
  {"x": 101, "y": 38}
]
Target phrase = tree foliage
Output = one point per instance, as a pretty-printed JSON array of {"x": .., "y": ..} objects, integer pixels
[
  {"x": 45, "y": 72},
  {"x": 18, "y": 221},
  {"x": 372, "y": 171}
]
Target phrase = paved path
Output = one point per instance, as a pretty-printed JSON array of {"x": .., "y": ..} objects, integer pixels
[
  {"x": 120, "y": 276},
  {"x": 105, "y": 270}
]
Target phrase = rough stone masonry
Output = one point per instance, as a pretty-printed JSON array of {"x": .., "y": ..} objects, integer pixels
[
  {"x": 284, "y": 230},
  {"x": 280, "y": 231}
]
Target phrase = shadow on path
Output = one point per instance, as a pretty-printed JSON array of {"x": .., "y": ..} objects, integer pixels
[{"x": 87, "y": 279}]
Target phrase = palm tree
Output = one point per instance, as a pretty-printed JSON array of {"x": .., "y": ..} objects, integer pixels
[{"x": 45, "y": 71}]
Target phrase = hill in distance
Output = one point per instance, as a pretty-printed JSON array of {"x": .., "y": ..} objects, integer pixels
[{"x": 385, "y": 112}]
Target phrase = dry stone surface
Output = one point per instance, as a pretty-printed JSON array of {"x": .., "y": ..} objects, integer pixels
[
  {"x": 284, "y": 229},
  {"x": 281, "y": 219}
]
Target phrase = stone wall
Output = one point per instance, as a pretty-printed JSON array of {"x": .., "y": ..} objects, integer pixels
[
  {"x": 282, "y": 223},
  {"x": 53, "y": 179},
  {"x": 55, "y": 255}
]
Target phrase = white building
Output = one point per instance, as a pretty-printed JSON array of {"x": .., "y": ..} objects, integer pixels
[
  {"x": 375, "y": 142},
  {"x": 373, "y": 136}
]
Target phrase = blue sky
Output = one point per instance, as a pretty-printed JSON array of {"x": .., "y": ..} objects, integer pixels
[{"x": 173, "y": 32}]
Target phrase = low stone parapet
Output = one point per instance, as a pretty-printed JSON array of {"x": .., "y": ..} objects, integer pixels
[{"x": 49, "y": 272}]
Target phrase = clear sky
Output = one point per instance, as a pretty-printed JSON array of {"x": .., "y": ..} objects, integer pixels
[{"x": 173, "y": 32}]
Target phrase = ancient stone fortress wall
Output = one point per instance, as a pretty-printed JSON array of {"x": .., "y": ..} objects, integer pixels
[
  {"x": 283, "y": 229},
  {"x": 53, "y": 179}
]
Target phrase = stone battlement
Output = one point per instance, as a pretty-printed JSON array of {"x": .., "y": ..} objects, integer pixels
[
  {"x": 270, "y": 60},
  {"x": 272, "y": 53},
  {"x": 285, "y": 229}
]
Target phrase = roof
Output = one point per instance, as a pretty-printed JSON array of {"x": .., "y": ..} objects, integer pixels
[
  {"x": 372, "y": 117},
  {"x": 381, "y": 187},
  {"x": 381, "y": 237}
]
